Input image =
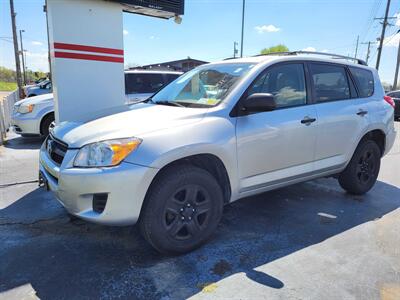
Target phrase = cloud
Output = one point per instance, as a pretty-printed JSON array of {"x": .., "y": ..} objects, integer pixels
[
  {"x": 37, "y": 61},
  {"x": 37, "y": 43},
  {"x": 154, "y": 37},
  {"x": 310, "y": 49},
  {"x": 126, "y": 32},
  {"x": 392, "y": 40},
  {"x": 266, "y": 28}
]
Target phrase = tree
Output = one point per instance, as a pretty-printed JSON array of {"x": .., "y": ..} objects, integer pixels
[{"x": 277, "y": 48}]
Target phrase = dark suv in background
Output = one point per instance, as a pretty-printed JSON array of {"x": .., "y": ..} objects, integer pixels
[{"x": 396, "y": 98}]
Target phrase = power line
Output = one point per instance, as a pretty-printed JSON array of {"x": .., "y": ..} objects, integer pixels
[
  {"x": 392, "y": 36},
  {"x": 373, "y": 13}
]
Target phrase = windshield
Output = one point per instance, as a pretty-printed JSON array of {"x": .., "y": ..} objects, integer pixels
[{"x": 204, "y": 86}]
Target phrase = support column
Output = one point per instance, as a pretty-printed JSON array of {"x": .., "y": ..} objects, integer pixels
[{"x": 87, "y": 58}]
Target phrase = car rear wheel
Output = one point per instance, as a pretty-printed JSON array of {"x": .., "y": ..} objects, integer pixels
[
  {"x": 182, "y": 209},
  {"x": 361, "y": 173}
]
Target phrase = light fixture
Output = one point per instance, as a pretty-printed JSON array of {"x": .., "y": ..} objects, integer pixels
[{"x": 178, "y": 19}]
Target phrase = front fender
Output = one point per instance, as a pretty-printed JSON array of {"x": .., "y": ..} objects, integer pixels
[{"x": 214, "y": 135}]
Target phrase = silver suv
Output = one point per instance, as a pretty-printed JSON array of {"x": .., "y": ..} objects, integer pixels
[{"x": 221, "y": 132}]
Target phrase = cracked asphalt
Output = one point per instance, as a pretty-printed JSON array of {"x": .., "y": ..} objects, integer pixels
[{"x": 307, "y": 241}]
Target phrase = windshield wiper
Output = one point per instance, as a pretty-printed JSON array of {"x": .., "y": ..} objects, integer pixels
[
  {"x": 147, "y": 100},
  {"x": 171, "y": 103}
]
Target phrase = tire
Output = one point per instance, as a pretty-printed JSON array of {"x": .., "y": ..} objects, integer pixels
[
  {"x": 361, "y": 173},
  {"x": 45, "y": 125},
  {"x": 182, "y": 209}
]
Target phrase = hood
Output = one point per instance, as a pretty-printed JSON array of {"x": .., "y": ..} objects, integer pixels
[
  {"x": 36, "y": 99},
  {"x": 142, "y": 119}
]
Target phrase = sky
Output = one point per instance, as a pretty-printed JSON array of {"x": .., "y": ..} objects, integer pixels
[{"x": 210, "y": 27}]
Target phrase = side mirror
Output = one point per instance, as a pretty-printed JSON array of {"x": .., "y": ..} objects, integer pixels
[{"x": 259, "y": 102}]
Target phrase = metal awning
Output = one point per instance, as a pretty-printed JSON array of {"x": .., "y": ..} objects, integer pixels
[{"x": 165, "y": 9}]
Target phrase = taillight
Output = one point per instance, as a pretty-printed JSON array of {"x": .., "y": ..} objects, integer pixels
[{"x": 389, "y": 100}]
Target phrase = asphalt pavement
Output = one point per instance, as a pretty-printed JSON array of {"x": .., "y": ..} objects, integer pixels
[{"x": 307, "y": 241}]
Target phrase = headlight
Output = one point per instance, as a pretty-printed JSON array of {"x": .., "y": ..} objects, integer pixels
[
  {"x": 25, "y": 109},
  {"x": 107, "y": 153}
]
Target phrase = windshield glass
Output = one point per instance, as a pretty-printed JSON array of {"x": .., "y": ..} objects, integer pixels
[{"x": 203, "y": 87}]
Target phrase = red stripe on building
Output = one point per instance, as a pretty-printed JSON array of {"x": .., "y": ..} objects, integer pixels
[
  {"x": 88, "y": 57},
  {"x": 76, "y": 47}
]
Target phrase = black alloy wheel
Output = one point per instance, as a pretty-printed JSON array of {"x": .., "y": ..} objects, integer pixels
[{"x": 182, "y": 209}]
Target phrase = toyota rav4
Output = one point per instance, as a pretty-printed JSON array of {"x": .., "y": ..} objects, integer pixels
[{"x": 218, "y": 133}]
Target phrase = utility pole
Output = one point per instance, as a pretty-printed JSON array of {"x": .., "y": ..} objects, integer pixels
[
  {"x": 48, "y": 40},
  {"x": 235, "y": 50},
  {"x": 23, "y": 56},
  {"x": 358, "y": 39},
  {"x": 396, "y": 74},
  {"x": 384, "y": 24},
  {"x": 15, "y": 40},
  {"x": 368, "y": 51},
  {"x": 241, "y": 44}
]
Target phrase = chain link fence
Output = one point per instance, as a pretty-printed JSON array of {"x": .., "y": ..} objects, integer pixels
[{"x": 6, "y": 109}]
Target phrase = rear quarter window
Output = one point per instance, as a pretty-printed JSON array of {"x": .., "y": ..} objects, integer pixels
[
  {"x": 364, "y": 80},
  {"x": 330, "y": 82}
]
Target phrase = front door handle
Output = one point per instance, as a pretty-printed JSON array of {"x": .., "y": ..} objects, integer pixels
[
  {"x": 307, "y": 120},
  {"x": 362, "y": 113}
]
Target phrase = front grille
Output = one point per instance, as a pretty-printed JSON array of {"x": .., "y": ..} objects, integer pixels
[{"x": 56, "y": 149}]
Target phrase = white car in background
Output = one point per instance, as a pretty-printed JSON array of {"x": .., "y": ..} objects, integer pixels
[{"x": 34, "y": 115}]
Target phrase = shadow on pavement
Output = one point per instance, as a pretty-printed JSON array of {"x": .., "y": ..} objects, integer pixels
[
  {"x": 24, "y": 143},
  {"x": 69, "y": 259}
]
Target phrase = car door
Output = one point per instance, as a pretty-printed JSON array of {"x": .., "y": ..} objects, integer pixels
[
  {"x": 342, "y": 116},
  {"x": 277, "y": 146}
]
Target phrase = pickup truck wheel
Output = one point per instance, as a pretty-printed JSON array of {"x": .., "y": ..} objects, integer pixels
[
  {"x": 361, "y": 173},
  {"x": 182, "y": 209}
]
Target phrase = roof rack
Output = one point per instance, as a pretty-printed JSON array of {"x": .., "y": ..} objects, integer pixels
[{"x": 334, "y": 56}]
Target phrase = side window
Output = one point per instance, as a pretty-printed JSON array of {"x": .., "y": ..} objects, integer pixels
[
  {"x": 171, "y": 77},
  {"x": 143, "y": 83},
  {"x": 364, "y": 80},
  {"x": 285, "y": 82},
  {"x": 330, "y": 82}
]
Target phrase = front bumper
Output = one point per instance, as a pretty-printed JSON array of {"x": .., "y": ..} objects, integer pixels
[
  {"x": 125, "y": 185},
  {"x": 25, "y": 124}
]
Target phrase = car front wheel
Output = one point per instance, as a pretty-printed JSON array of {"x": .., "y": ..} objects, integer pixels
[
  {"x": 361, "y": 173},
  {"x": 182, "y": 209}
]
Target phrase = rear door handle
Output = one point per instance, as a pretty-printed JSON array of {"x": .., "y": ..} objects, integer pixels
[
  {"x": 362, "y": 112},
  {"x": 307, "y": 120}
]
